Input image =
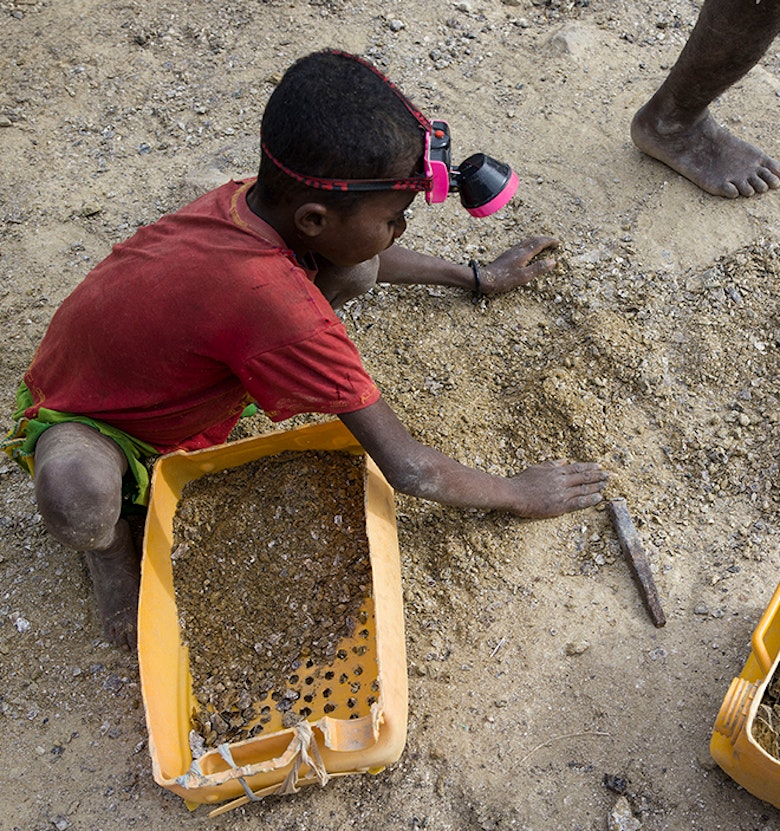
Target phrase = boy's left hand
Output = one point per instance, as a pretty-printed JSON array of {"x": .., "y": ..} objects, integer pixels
[{"x": 511, "y": 269}]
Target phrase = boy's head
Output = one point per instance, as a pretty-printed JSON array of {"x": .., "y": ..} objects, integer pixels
[{"x": 333, "y": 117}]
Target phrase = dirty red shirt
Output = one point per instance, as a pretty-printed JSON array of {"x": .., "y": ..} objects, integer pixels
[{"x": 194, "y": 316}]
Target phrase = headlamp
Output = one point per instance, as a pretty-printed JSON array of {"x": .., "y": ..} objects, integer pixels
[{"x": 485, "y": 185}]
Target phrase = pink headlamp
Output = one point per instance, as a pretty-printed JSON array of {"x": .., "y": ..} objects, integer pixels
[{"x": 485, "y": 185}]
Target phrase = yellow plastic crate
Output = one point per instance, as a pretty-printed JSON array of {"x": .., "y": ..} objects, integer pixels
[
  {"x": 372, "y": 731},
  {"x": 733, "y": 746}
]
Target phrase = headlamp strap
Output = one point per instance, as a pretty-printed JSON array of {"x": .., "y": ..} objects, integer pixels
[{"x": 414, "y": 183}]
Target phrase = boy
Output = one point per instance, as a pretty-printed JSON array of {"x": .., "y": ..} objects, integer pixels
[{"x": 229, "y": 301}]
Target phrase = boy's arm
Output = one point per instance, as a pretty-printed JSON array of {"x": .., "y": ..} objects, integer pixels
[
  {"x": 404, "y": 267},
  {"x": 411, "y": 467}
]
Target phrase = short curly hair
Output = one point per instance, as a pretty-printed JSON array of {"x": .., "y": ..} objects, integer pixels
[{"x": 333, "y": 117}]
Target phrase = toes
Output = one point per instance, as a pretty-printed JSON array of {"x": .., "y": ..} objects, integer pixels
[
  {"x": 121, "y": 632},
  {"x": 773, "y": 169},
  {"x": 734, "y": 189},
  {"x": 771, "y": 180},
  {"x": 758, "y": 184},
  {"x": 120, "y": 629}
]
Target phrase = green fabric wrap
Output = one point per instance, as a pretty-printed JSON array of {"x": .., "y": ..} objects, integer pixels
[{"x": 19, "y": 444}]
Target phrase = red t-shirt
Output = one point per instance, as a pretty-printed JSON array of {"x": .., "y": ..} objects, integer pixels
[{"x": 179, "y": 327}]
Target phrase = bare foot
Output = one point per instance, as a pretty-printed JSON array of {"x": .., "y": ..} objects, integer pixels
[
  {"x": 556, "y": 488},
  {"x": 707, "y": 154},
  {"x": 116, "y": 574}
]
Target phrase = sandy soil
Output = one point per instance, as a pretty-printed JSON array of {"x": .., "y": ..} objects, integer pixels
[{"x": 534, "y": 670}]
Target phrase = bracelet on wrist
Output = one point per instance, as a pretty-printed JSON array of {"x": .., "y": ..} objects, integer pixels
[{"x": 474, "y": 265}]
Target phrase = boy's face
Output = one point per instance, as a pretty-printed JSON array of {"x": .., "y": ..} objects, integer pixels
[{"x": 374, "y": 225}]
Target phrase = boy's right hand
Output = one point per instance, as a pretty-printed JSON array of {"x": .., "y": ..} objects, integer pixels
[{"x": 558, "y": 487}]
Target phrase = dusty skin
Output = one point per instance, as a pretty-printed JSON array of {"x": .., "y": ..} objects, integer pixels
[
  {"x": 538, "y": 683},
  {"x": 115, "y": 575},
  {"x": 707, "y": 154},
  {"x": 503, "y": 270},
  {"x": 78, "y": 487},
  {"x": 558, "y": 487}
]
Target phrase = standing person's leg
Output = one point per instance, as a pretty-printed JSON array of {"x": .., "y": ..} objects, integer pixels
[
  {"x": 78, "y": 485},
  {"x": 675, "y": 125}
]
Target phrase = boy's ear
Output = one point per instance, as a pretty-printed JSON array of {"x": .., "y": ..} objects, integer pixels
[{"x": 311, "y": 218}]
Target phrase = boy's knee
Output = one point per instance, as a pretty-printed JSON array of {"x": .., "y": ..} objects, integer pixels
[
  {"x": 81, "y": 511},
  {"x": 340, "y": 284},
  {"x": 79, "y": 497}
]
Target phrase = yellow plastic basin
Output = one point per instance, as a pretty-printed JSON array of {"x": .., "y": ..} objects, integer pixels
[
  {"x": 733, "y": 746},
  {"x": 368, "y": 736}
]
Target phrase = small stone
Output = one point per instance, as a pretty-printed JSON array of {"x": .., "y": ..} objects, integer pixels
[
  {"x": 617, "y": 784},
  {"x": 572, "y": 39},
  {"x": 710, "y": 279},
  {"x": 113, "y": 683},
  {"x": 90, "y": 209},
  {"x": 5, "y": 121},
  {"x": 621, "y": 817},
  {"x": 317, "y": 564},
  {"x": 395, "y": 25},
  {"x": 657, "y": 654},
  {"x": 705, "y": 761},
  {"x": 576, "y": 647}
]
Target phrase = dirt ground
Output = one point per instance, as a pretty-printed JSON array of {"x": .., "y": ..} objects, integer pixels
[{"x": 536, "y": 677}]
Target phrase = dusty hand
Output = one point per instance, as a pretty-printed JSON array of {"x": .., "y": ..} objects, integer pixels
[
  {"x": 555, "y": 488},
  {"x": 511, "y": 269}
]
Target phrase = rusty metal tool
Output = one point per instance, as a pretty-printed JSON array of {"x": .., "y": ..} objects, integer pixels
[{"x": 632, "y": 549}]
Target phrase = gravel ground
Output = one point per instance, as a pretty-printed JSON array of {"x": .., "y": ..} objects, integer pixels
[{"x": 541, "y": 696}]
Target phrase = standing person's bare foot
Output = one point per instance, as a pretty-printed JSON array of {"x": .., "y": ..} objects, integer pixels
[
  {"x": 706, "y": 153},
  {"x": 116, "y": 574}
]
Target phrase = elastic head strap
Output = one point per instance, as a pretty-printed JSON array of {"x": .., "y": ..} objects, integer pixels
[{"x": 413, "y": 183}]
